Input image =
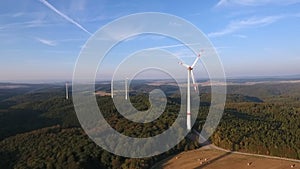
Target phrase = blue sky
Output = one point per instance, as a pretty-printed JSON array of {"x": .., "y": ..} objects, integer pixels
[{"x": 42, "y": 39}]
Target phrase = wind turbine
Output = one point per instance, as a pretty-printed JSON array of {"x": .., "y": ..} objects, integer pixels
[
  {"x": 67, "y": 91},
  {"x": 190, "y": 75},
  {"x": 126, "y": 88},
  {"x": 112, "y": 89}
]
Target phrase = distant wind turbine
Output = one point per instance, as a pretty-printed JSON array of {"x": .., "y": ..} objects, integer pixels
[
  {"x": 112, "y": 89},
  {"x": 67, "y": 91},
  {"x": 126, "y": 88},
  {"x": 190, "y": 75}
]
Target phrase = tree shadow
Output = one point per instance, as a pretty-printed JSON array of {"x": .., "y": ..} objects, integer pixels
[{"x": 8, "y": 159}]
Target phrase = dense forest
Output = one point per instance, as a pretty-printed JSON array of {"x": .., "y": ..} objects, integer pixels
[
  {"x": 39, "y": 127},
  {"x": 269, "y": 125}
]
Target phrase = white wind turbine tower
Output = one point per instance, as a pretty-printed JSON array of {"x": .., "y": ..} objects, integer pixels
[
  {"x": 190, "y": 75},
  {"x": 126, "y": 88},
  {"x": 112, "y": 89},
  {"x": 67, "y": 91}
]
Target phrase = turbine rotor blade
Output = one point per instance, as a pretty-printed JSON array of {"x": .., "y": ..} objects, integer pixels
[
  {"x": 193, "y": 79},
  {"x": 183, "y": 64},
  {"x": 196, "y": 60},
  {"x": 193, "y": 65}
]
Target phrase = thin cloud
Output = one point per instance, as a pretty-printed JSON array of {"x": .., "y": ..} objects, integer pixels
[
  {"x": 248, "y": 23},
  {"x": 174, "y": 46},
  {"x": 72, "y": 40},
  {"x": 147, "y": 37},
  {"x": 297, "y": 15},
  {"x": 46, "y": 42},
  {"x": 240, "y": 36},
  {"x": 22, "y": 25},
  {"x": 17, "y": 14},
  {"x": 186, "y": 53},
  {"x": 120, "y": 33},
  {"x": 181, "y": 51},
  {"x": 78, "y": 5},
  {"x": 223, "y": 3},
  {"x": 65, "y": 16}
]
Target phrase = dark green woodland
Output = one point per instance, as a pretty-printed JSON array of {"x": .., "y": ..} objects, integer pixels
[{"x": 39, "y": 127}]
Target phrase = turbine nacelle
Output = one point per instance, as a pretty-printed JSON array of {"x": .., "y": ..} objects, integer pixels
[
  {"x": 185, "y": 65},
  {"x": 190, "y": 69}
]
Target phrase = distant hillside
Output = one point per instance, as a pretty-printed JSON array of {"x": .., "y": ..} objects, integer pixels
[
  {"x": 266, "y": 90},
  {"x": 261, "y": 90}
]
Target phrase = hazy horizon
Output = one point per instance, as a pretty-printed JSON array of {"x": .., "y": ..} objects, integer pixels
[{"x": 63, "y": 81}]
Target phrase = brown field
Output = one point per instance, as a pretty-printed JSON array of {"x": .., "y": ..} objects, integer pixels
[
  {"x": 216, "y": 159},
  {"x": 102, "y": 93}
]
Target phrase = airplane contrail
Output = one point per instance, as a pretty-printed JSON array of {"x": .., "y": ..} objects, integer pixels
[{"x": 65, "y": 16}]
